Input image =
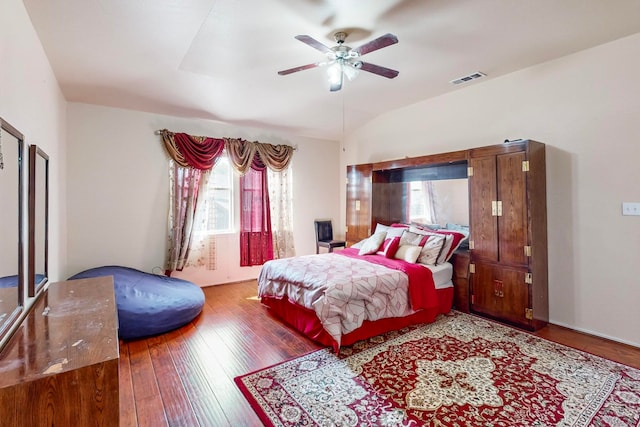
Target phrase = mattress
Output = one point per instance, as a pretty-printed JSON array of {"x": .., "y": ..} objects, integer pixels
[{"x": 442, "y": 275}]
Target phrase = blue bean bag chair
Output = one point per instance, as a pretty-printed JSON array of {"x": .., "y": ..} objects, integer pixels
[{"x": 149, "y": 304}]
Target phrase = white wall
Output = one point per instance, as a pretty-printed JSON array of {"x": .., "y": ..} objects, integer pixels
[
  {"x": 119, "y": 189},
  {"x": 31, "y": 101},
  {"x": 586, "y": 108}
]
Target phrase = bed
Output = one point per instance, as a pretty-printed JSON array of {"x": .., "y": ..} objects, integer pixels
[{"x": 342, "y": 297}]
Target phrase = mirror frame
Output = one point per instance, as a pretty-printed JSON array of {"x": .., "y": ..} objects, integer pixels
[
  {"x": 35, "y": 172},
  {"x": 11, "y": 318}
]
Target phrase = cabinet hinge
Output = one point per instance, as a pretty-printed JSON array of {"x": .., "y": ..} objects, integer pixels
[
  {"x": 528, "y": 313},
  {"x": 525, "y": 166},
  {"x": 357, "y": 205},
  {"x": 346, "y": 229},
  {"x": 527, "y": 251},
  {"x": 528, "y": 278},
  {"x": 346, "y": 181},
  {"x": 473, "y": 299},
  {"x": 472, "y": 268},
  {"x": 496, "y": 208},
  {"x": 471, "y": 245},
  {"x": 470, "y": 171}
]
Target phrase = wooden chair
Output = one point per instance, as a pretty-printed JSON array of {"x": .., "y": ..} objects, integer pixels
[{"x": 324, "y": 236}]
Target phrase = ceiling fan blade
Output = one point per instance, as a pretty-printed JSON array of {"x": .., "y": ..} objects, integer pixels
[
  {"x": 381, "y": 71},
  {"x": 300, "y": 68},
  {"x": 382, "y": 41},
  {"x": 314, "y": 43}
]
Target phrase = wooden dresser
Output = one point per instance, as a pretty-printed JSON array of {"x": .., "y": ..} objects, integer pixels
[{"x": 61, "y": 366}]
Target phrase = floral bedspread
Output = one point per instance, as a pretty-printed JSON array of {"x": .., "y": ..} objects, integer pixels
[{"x": 343, "y": 291}]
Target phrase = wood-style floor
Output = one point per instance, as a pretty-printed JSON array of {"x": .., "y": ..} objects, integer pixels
[{"x": 185, "y": 377}]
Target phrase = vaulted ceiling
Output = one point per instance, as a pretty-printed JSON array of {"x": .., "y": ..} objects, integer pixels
[{"x": 218, "y": 59}]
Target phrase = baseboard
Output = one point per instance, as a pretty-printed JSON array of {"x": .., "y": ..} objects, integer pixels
[{"x": 595, "y": 334}]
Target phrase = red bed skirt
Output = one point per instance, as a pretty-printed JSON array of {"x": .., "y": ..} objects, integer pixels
[{"x": 306, "y": 321}]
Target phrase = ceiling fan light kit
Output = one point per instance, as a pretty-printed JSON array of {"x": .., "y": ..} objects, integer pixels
[{"x": 345, "y": 61}]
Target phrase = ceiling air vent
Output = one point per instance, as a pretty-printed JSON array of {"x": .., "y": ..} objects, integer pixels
[{"x": 467, "y": 78}]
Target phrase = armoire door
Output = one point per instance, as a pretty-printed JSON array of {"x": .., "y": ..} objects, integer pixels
[
  {"x": 482, "y": 208},
  {"x": 501, "y": 292},
  {"x": 498, "y": 208},
  {"x": 358, "y": 202},
  {"x": 512, "y": 212}
]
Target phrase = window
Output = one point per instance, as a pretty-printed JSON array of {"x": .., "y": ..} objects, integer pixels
[{"x": 219, "y": 198}]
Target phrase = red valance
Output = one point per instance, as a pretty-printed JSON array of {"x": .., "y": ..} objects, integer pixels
[{"x": 199, "y": 152}]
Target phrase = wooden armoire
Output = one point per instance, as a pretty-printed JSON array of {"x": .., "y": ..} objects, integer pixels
[
  {"x": 507, "y": 258},
  {"x": 508, "y": 242}
]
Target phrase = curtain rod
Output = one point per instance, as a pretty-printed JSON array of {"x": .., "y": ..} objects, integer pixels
[{"x": 159, "y": 132}]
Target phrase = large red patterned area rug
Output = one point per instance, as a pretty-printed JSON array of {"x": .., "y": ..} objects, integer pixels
[{"x": 461, "y": 370}]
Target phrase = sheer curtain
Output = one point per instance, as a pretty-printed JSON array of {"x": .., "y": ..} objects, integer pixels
[
  {"x": 281, "y": 200},
  {"x": 422, "y": 203}
]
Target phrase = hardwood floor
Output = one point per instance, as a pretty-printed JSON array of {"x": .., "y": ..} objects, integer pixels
[{"x": 185, "y": 377}]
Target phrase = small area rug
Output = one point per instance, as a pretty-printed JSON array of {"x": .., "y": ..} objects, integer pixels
[{"x": 461, "y": 370}]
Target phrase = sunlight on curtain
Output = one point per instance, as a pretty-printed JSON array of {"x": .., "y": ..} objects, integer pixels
[
  {"x": 203, "y": 244},
  {"x": 281, "y": 200}
]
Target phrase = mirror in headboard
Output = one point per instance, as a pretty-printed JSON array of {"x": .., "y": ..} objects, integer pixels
[
  {"x": 38, "y": 219},
  {"x": 425, "y": 194},
  {"x": 11, "y": 225}
]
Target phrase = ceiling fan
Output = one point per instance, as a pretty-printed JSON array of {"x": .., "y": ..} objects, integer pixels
[{"x": 345, "y": 61}]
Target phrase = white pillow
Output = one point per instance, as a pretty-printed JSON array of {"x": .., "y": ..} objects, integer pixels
[
  {"x": 408, "y": 253},
  {"x": 381, "y": 228},
  {"x": 359, "y": 244},
  {"x": 372, "y": 244},
  {"x": 395, "y": 232}
]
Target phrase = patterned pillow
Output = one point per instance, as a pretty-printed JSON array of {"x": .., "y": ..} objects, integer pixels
[
  {"x": 408, "y": 253},
  {"x": 410, "y": 238},
  {"x": 454, "y": 239},
  {"x": 389, "y": 247},
  {"x": 372, "y": 244},
  {"x": 431, "y": 250}
]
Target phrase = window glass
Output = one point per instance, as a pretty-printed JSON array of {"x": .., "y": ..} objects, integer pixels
[{"x": 219, "y": 203}]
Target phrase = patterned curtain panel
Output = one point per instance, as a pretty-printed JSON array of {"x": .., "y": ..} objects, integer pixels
[
  {"x": 184, "y": 185},
  {"x": 281, "y": 201},
  {"x": 256, "y": 244}
]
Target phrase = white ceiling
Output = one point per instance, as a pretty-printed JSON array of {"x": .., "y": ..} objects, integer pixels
[{"x": 218, "y": 59}]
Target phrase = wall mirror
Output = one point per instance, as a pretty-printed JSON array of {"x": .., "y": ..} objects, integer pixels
[
  {"x": 11, "y": 225},
  {"x": 38, "y": 219}
]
